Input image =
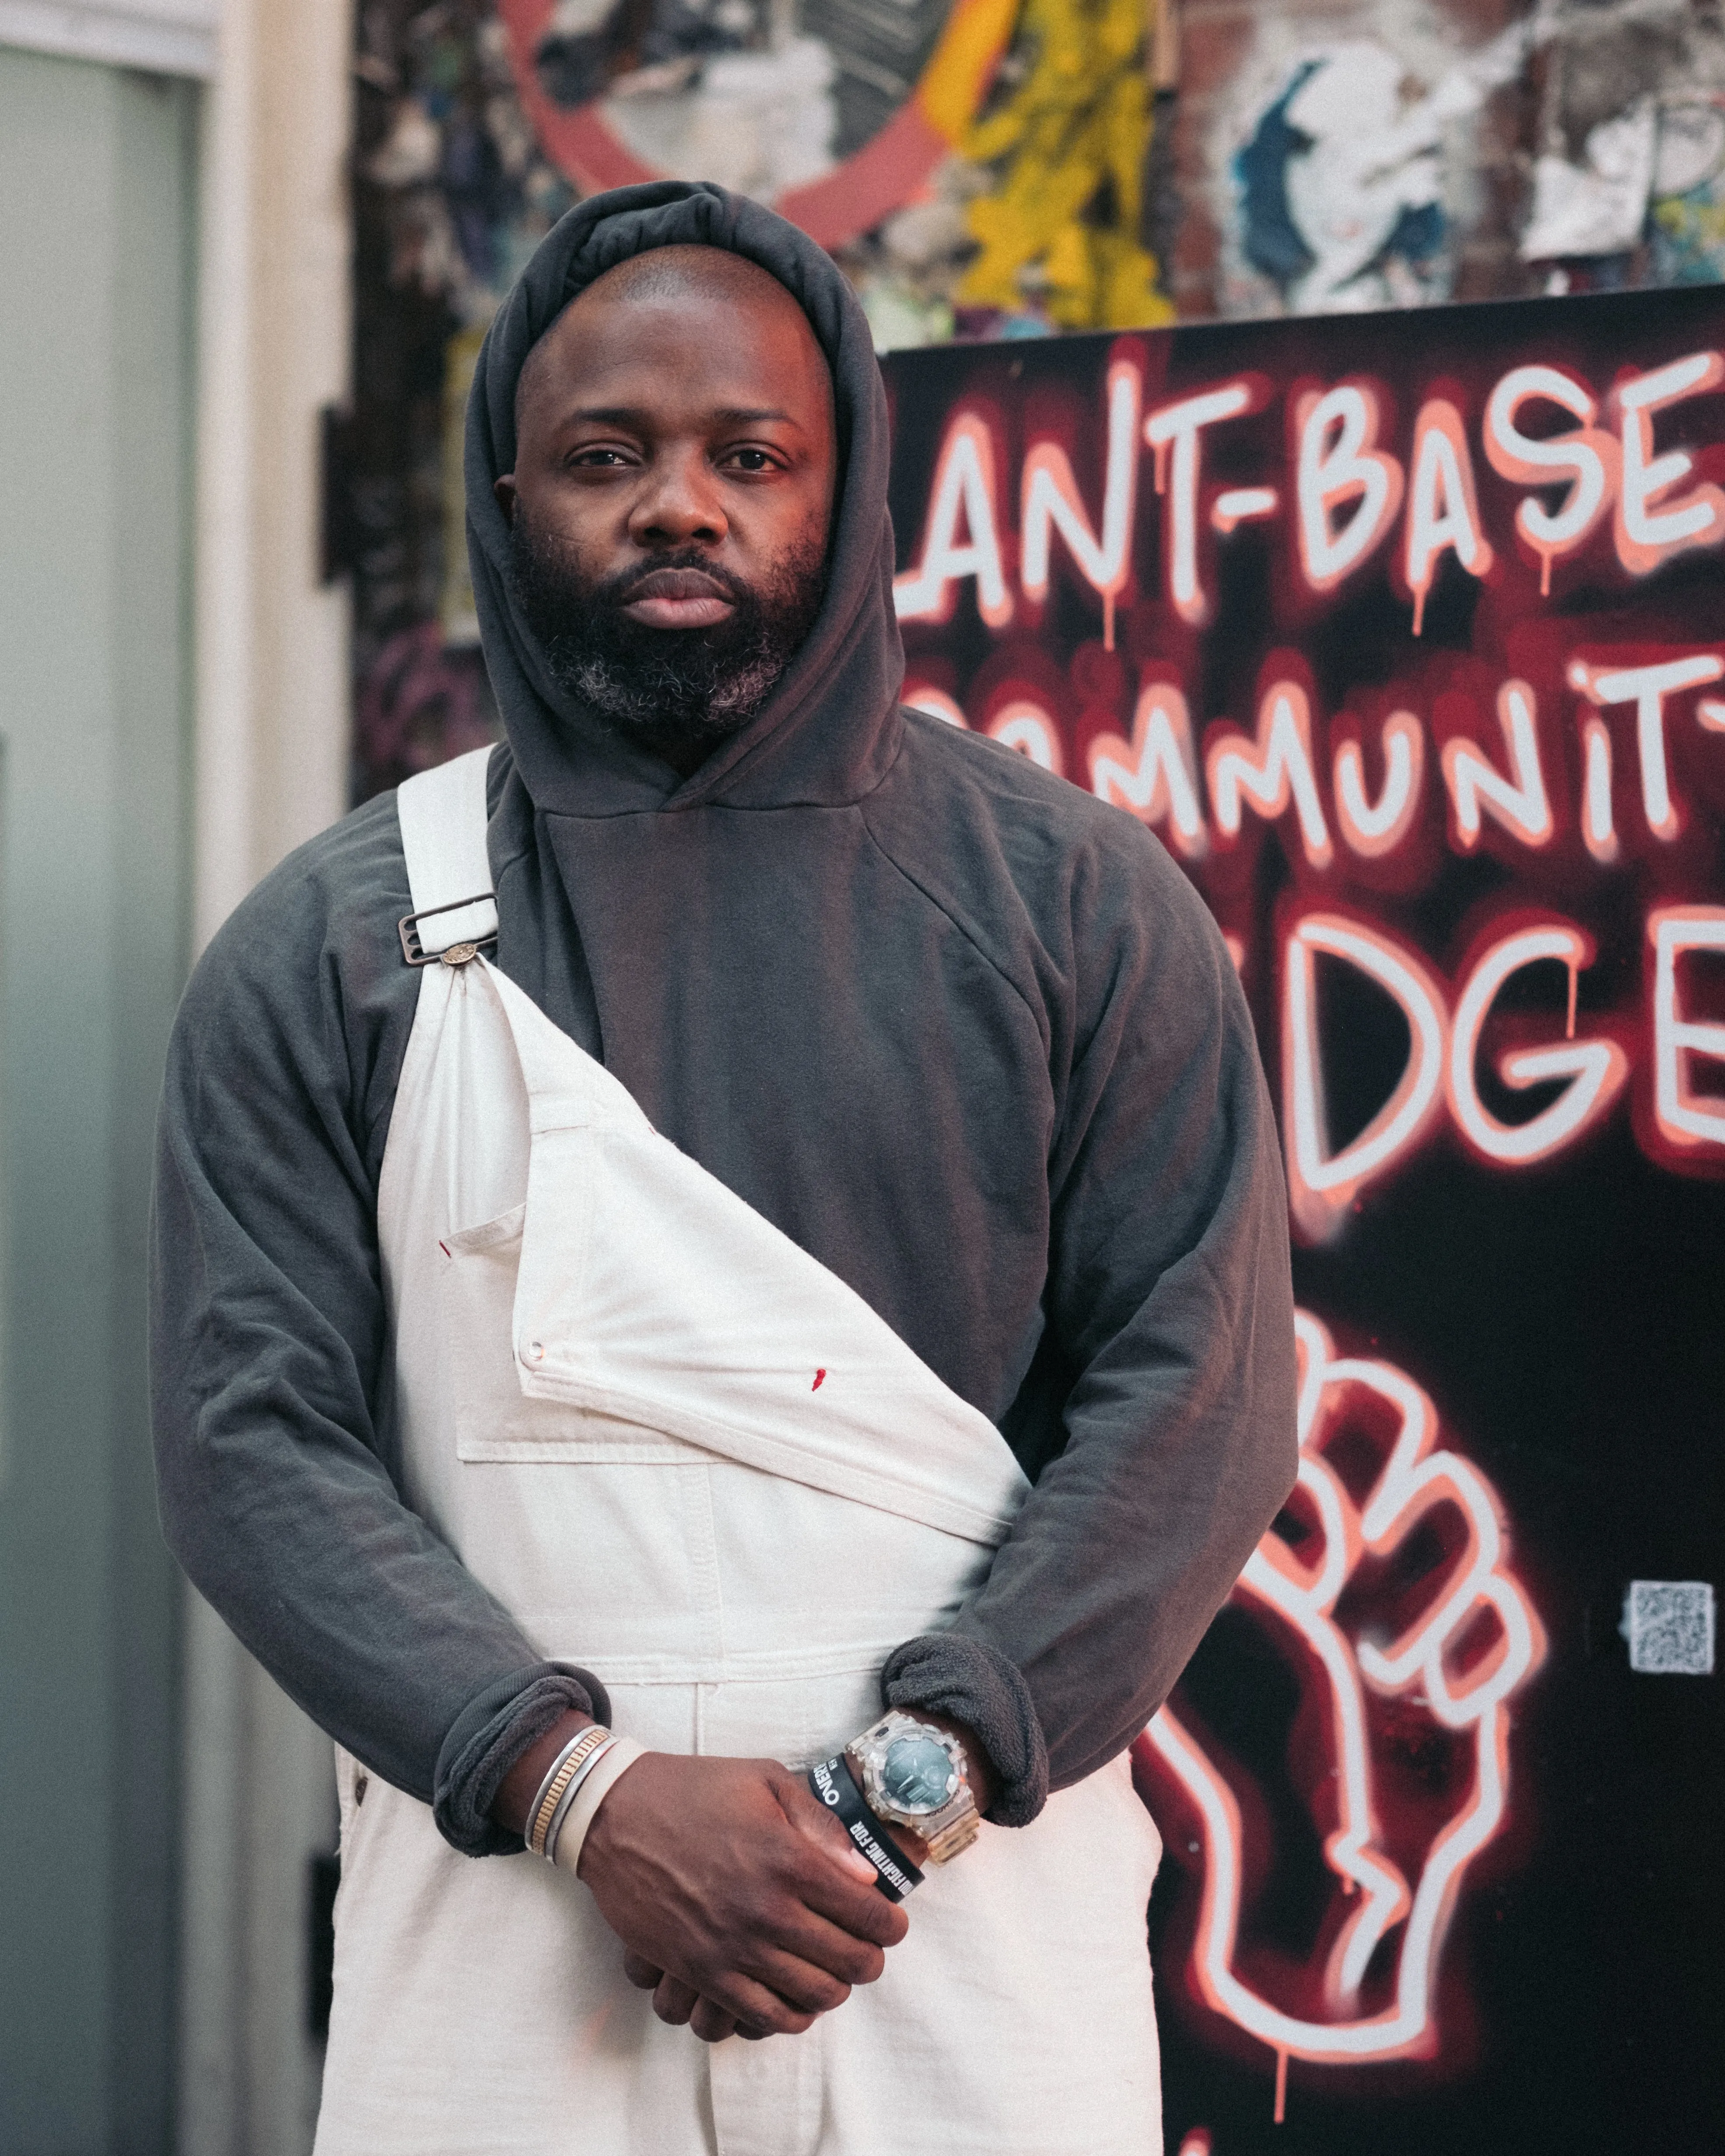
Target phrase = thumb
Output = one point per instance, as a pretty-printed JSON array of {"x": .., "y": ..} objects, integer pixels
[{"x": 811, "y": 1818}]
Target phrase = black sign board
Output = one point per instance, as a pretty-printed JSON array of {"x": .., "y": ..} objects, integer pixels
[{"x": 1407, "y": 634}]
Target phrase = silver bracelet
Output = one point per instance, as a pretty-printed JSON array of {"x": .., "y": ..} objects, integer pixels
[
  {"x": 564, "y": 1803},
  {"x": 565, "y": 1768}
]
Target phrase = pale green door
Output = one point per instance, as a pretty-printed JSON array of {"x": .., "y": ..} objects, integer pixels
[{"x": 96, "y": 249}]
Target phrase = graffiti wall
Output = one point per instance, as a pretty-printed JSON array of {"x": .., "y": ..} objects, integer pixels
[
  {"x": 1407, "y": 635},
  {"x": 977, "y": 167},
  {"x": 981, "y": 169}
]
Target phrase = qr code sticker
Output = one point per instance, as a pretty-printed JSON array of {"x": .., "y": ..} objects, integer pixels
[{"x": 1669, "y": 1624}]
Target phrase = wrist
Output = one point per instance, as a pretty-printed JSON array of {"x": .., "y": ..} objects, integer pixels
[
  {"x": 914, "y": 1772},
  {"x": 562, "y": 1785},
  {"x": 834, "y": 1784},
  {"x": 606, "y": 1770},
  {"x": 520, "y": 1786}
]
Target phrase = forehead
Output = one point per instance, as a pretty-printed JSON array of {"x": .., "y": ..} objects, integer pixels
[{"x": 681, "y": 327}]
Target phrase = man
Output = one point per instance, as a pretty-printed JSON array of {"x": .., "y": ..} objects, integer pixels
[{"x": 748, "y": 1209}]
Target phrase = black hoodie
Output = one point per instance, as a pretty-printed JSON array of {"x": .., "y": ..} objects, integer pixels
[{"x": 963, "y": 1032}]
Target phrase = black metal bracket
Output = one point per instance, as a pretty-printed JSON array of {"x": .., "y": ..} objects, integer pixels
[{"x": 411, "y": 947}]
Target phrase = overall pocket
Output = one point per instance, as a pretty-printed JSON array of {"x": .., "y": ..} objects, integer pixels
[{"x": 495, "y": 1419}]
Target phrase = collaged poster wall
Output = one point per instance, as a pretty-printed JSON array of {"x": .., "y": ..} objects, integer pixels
[
  {"x": 1407, "y": 635},
  {"x": 1342, "y": 154}
]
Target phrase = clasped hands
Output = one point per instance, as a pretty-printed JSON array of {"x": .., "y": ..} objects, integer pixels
[{"x": 741, "y": 1903}]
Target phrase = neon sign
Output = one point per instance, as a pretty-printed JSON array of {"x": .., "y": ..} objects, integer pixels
[
  {"x": 1655, "y": 1039},
  {"x": 1558, "y": 747},
  {"x": 1414, "y": 661},
  {"x": 1462, "y": 1657},
  {"x": 1348, "y": 490}
]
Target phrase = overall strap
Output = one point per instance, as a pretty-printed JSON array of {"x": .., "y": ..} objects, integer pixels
[{"x": 442, "y": 814}]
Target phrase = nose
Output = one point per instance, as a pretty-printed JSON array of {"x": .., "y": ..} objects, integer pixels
[{"x": 680, "y": 503}]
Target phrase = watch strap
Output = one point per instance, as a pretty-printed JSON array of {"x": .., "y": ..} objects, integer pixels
[
  {"x": 834, "y": 1784},
  {"x": 956, "y": 1835}
]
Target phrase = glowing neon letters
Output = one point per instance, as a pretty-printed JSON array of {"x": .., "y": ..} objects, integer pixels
[
  {"x": 1322, "y": 1185},
  {"x": 1348, "y": 489},
  {"x": 1051, "y": 503},
  {"x": 1650, "y": 527},
  {"x": 1684, "y": 1119},
  {"x": 1371, "y": 828},
  {"x": 1594, "y": 1071},
  {"x": 1271, "y": 770},
  {"x": 1588, "y": 458},
  {"x": 1477, "y": 787},
  {"x": 1339, "y": 465},
  {"x": 1153, "y": 774},
  {"x": 1598, "y": 829},
  {"x": 1647, "y": 687},
  {"x": 1440, "y": 1067},
  {"x": 1178, "y": 426},
  {"x": 964, "y": 492},
  {"x": 1560, "y": 759},
  {"x": 1443, "y": 513}
]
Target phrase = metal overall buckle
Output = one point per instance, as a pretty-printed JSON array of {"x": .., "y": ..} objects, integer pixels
[{"x": 458, "y": 954}]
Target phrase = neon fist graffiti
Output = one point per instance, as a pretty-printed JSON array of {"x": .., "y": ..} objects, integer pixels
[{"x": 1459, "y": 1658}]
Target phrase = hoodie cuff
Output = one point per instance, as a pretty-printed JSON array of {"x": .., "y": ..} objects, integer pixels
[
  {"x": 488, "y": 1737},
  {"x": 950, "y": 1673}
]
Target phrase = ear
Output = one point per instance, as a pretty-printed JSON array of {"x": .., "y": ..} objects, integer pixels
[{"x": 503, "y": 489}]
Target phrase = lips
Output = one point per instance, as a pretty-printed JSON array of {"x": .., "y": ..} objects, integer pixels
[{"x": 678, "y": 598}]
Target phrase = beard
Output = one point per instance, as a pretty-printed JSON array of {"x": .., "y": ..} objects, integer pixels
[{"x": 675, "y": 690}]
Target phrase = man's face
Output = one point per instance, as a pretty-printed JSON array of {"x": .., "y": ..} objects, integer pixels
[{"x": 672, "y": 494}]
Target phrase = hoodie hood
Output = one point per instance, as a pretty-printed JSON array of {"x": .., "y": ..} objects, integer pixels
[{"x": 829, "y": 731}]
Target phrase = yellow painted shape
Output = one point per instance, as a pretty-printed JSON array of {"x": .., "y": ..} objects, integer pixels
[
  {"x": 963, "y": 65},
  {"x": 1081, "y": 115}
]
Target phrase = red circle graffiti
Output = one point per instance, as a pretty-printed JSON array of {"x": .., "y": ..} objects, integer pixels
[{"x": 881, "y": 176}]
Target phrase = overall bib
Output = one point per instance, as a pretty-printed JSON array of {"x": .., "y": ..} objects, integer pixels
[{"x": 682, "y": 1452}]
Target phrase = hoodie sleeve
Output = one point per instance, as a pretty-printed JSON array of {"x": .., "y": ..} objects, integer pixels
[
  {"x": 1169, "y": 1315},
  {"x": 267, "y": 1335}
]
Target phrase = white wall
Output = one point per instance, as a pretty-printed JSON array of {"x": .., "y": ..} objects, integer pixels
[{"x": 168, "y": 36}]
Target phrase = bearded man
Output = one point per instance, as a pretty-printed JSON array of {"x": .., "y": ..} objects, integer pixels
[{"x": 722, "y": 1301}]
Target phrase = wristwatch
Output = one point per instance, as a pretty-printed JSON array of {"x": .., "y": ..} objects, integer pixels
[{"x": 912, "y": 1775}]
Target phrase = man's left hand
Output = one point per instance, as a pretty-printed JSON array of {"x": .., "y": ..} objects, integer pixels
[{"x": 682, "y": 2006}]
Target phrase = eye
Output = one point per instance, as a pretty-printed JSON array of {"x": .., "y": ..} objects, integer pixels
[
  {"x": 752, "y": 460},
  {"x": 601, "y": 458}
]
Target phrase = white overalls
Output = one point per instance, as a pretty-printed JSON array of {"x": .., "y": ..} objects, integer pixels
[{"x": 683, "y": 1453}]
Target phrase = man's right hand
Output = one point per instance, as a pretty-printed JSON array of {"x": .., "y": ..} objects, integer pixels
[{"x": 728, "y": 1877}]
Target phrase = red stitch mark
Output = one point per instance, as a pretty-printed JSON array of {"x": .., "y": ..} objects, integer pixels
[
  {"x": 445, "y": 1249},
  {"x": 820, "y": 1378}
]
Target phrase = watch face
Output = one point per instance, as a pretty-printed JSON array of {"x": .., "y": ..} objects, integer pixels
[{"x": 916, "y": 1775}]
